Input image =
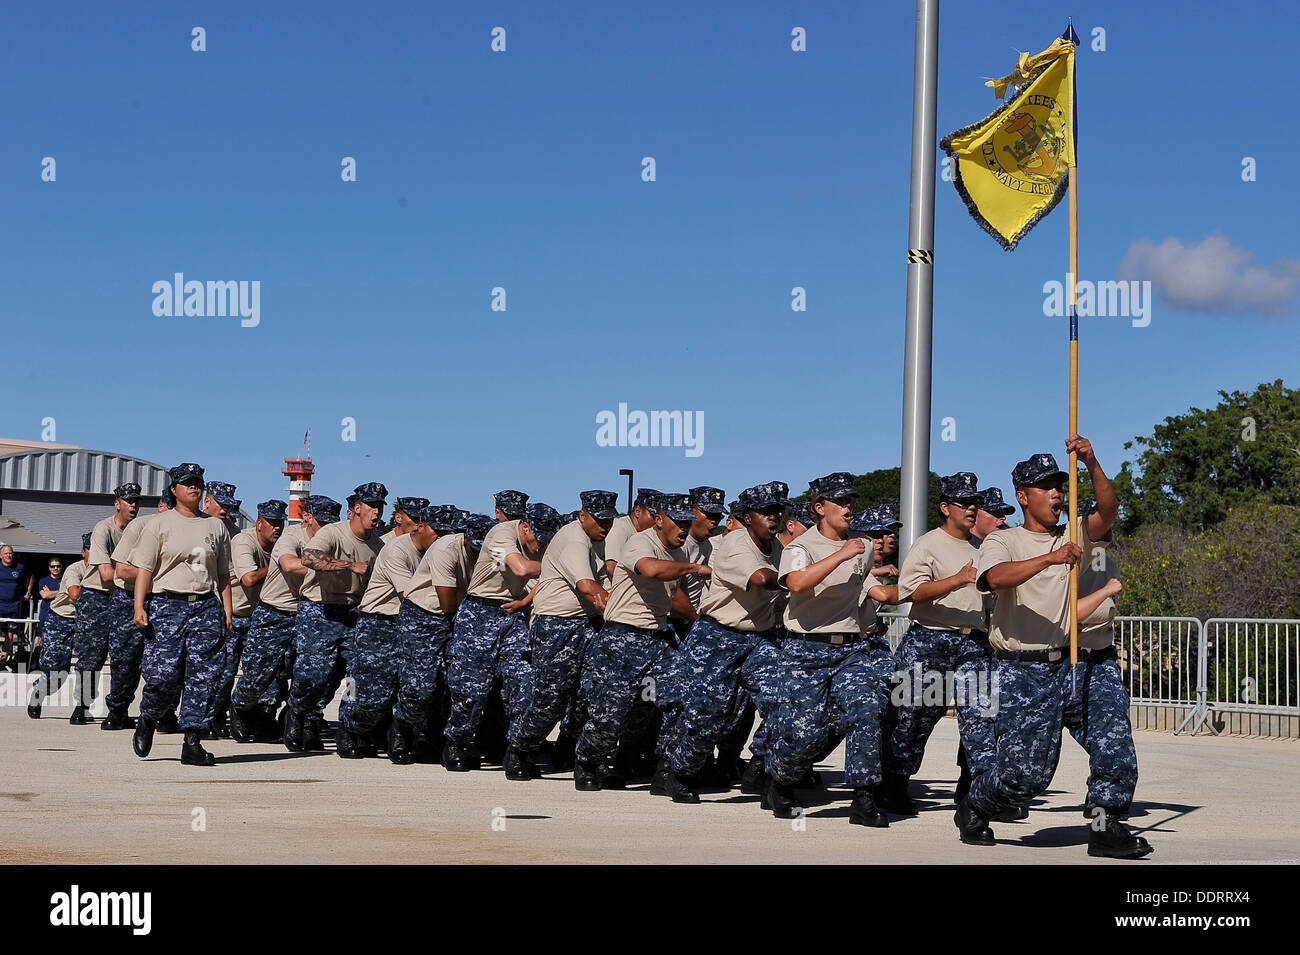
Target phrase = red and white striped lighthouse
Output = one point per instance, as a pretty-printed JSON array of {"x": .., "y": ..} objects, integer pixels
[{"x": 299, "y": 471}]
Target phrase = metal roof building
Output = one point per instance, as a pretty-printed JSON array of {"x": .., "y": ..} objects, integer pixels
[{"x": 61, "y": 492}]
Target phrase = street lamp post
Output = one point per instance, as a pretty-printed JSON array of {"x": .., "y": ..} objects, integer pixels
[{"x": 628, "y": 472}]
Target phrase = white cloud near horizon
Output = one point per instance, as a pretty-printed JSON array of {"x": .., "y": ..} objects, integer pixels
[{"x": 1214, "y": 275}]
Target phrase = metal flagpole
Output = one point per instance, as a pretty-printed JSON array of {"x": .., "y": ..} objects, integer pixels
[
  {"x": 1073, "y": 273},
  {"x": 914, "y": 502}
]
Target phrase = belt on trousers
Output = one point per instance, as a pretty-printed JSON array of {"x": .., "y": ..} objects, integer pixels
[
  {"x": 751, "y": 633},
  {"x": 487, "y": 601},
  {"x": 1055, "y": 655},
  {"x": 188, "y": 598},
  {"x": 390, "y": 617},
  {"x": 975, "y": 632},
  {"x": 835, "y": 639}
]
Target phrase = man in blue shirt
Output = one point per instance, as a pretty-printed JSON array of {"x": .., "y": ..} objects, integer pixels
[{"x": 15, "y": 591}]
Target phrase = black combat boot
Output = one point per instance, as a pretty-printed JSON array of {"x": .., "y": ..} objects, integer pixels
[
  {"x": 891, "y": 795},
  {"x": 269, "y": 729},
  {"x": 117, "y": 720},
  {"x": 659, "y": 781},
  {"x": 973, "y": 827},
  {"x": 1110, "y": 838},
  {"x": 963, "y": 781},
  {"x": 142, "y": 741},
  {"x": 220, "y": 728},
  {"x": 731, "y": 766},
  {"x": 586, "y": 779},
  {"x": 79, "y": 716},
  {"x": 34, "y": 702},
  {"x": 399, "y": 742},
  {"x": 456, "y": 759},
  {"x": 679, "y": 790},
  {"x": 517, "y": 765},
  {"x": 243, "y": 723},
  {"x": 192, "y": 751},
  {"x": 562, "y": 753},
  {"x": 864, "y": 812},
  {"x": 311, "y": 741},
  {"x": 292, "y": 731},
  {"x": 1015, "y": 814},
  {"x": 781, "y": 800},
  {"x": 754, "y": 782},
  {"x": 168, "y": 724},
  {"x": 345, "y": 744}
]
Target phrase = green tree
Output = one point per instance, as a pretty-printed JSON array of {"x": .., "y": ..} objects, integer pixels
[
  {"x": 883, "y": 487},
  {"x": 1197, "y": 467}
]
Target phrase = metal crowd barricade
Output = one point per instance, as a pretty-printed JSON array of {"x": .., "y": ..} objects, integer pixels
[{"x": 1253, "y": 666}]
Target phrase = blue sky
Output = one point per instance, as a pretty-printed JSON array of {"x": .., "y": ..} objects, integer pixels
[{"x": 522, "y": 170}]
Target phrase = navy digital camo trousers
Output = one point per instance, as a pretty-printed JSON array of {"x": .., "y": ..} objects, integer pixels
[
  {"x": 717, "y": 667},
  {"x": 624, "y": 666},
  {"x": 184, "y": 650},
  {"x": 559, "y": 646},
  {"x": 374, "y": 662},
  {"x": 125, "y": 650},
  {"x": 56, "y": 655},
  {"x": 267, "y": 658},
  {"x": 830, "y": 689},
  {"x": 91, "y": 638},
  {"x": 321, "y": 646},
  {"x": 1034, "y": 703},
  {"x": 925, "y": 662},
  {"x": 424, "y": 637},
  {"x": 487, "y": 643},
  {"x": 235, "y": 640}
]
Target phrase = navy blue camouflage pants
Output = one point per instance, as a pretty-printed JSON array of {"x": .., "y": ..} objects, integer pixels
[
  {"x": 184, "y": 650},
  {"x": 91, "y": 639},
  {"x": 829, "y": 689},
  {"x": 125, "y": 650},
  {"x": 1033, "y": 705},
  {"x": 717, "y": 669},
  {"x": 267, "y": 658},
  {"x": 235, "y": 640},
  {"x": 624, "y": 666},
  {"x": 559, "y": 645},
  {"x": 487, "y": 643},
  {"x": 56, "y": 655},
  {"x": 923, "y": 663},
  {"x": 321, "y": 646},
  {"x": 374, "y": 664},
  {"x": 424, "y": 637}
]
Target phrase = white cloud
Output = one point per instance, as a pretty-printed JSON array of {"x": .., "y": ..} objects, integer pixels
[{"x": 1214, "y": 275}]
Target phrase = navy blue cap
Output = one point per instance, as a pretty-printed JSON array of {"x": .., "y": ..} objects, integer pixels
[
  {"x": 372, "y": 492},
  {"x": 1087, "y": 506},
  {"x": 771, "y": 494},
  {"x": 601, "y": 505},
  {"x": 957, "y": 486},
  {"x": 887, "y": 517},
  {"x": 476, "y": 528},
  {"x": 864, "y": 523},
  {"x": 130, "y": 491},
  {"x": 1035, "y": 468},
  {"x": 648, "y": 498},
  {"x": 802, "y": 513},
  {"x": 222, "y": 493},
  {"x": 85, "y": 542},
  {"x": 991, "y": 501},
  {"x": 513, "y": 504},
  {"x": 272, "y": 510},
  {"x": 736, "y": 511},
  {"x": 443, "y": 518},
  {"x": 185, "y": 472},
  {"x": 326, "y": 510},
  {"x": 350, "y": 500},
  {"x": 837, "y": 484},
  {"x": 677, "y": 506},
  {"x": 410, "y": 505},
  {"x": 544, "y": 521},
  {"x": 570, "y": 517},
  {"x": 710, "y": 500}
]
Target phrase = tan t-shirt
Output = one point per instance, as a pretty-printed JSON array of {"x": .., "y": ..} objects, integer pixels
[
  {"x": 387, "y": 536},
  {"x": 1036, "y": 614},
  {"x": 62, "y": 604},
  {"x": 246, "y": 556},
  {"x": 933, "y": 556},
  {"x": 125, "y": 545},
  {"x": 394, "y": 568},
  {"x": 340, "y": 587},
  {"x": 186, "y": 555},
  {"x": 619, "y": 532},
  {"x": 697, "y": 552},
  {"x": 570, "y": 557},
  {"x": 730, "y": 599},
  {"x": 103, "y": 541},
  {"x": 1097, "y": 630},
  {"x": 636, "y": 600},
  {"x": 868, "y": 608},
  {"x": 492, "y": 578},
  {"x": 280, "y": 590},
  {"x": 832, "y": 606},
  {"x": 445, "y": 564}
]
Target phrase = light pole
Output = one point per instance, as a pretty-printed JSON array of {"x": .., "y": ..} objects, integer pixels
[{"x": 628, "y": 472}]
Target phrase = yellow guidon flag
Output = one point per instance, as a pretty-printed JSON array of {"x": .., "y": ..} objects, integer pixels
[{"x": 1011, "y": 166}]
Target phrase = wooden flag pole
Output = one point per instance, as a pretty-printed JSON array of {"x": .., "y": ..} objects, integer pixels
[{"x": 1074, "y": 422}]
